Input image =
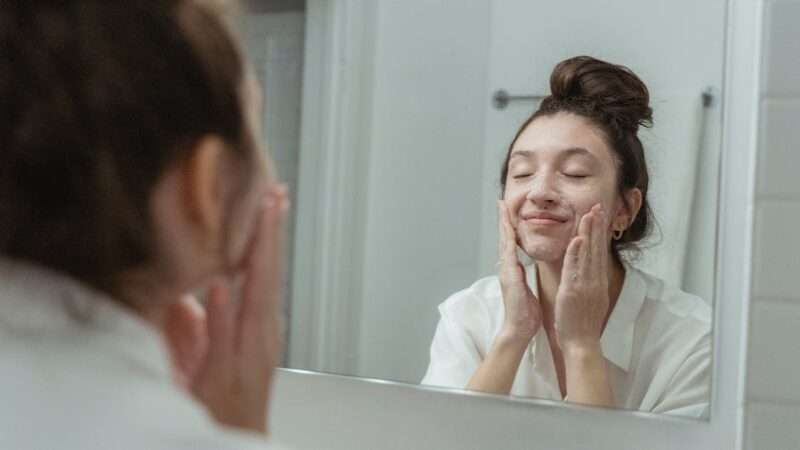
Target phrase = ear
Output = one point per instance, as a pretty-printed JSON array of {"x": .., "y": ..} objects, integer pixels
[
  {"x": 628, "y": 211},
  {"x": 203, "y": 185}
]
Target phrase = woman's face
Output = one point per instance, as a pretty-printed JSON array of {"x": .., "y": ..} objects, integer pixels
[{"x": 559, "y": 167}]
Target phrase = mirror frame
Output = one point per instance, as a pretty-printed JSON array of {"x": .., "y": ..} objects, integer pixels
[{"x": 319, "y": 410}]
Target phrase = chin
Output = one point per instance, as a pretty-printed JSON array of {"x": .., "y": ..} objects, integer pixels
[{"x": 544, "y": 250}]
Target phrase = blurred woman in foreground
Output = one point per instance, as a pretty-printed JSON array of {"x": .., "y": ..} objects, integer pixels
[{"x": 130, "y": 177}]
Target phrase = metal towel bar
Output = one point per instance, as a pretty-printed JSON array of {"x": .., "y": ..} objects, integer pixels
[{"x": 501, "y": 98}]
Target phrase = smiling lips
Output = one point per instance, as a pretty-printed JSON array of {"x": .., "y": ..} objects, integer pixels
[{"x": 543, "y": 218}]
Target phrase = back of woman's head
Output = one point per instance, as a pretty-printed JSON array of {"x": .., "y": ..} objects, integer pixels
[
  {"x": 613, "y": 99},
  {"x": 100, "y": 97}
]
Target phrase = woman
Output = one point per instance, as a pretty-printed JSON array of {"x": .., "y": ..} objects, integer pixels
[
  {"x": 130, "y": 177},
  {"x": 579, "y": 323}
]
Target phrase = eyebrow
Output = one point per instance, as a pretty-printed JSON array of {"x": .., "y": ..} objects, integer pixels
[{"x": 571, "y": 151}]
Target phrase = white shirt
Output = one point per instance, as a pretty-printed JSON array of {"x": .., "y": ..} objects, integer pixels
[
  {"x": 657, "y": 341},
  {"x": 101, "y": 383}
]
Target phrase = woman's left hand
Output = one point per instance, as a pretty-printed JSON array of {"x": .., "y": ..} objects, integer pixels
[{"x": 582, "y": 299}]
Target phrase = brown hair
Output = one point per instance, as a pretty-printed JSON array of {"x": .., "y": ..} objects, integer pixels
[
  {"x": 100, "y": 98},
  {"x": 617, "y": 102}
]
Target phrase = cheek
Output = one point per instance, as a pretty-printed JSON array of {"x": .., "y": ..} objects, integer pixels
[
  {"x": 585, "y": 204},
  {"x": 514, "y": 197},
  {"x": 583, "y": 198}
]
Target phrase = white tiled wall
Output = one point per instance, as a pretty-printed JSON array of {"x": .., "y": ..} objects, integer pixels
[
  {"x": 775, "y": 347},
  {"x": 772, "y": 426},
  {"x": 779, "y": 135},
  {"x": 772, "y": 414},
  {"x": 781, "y": 63},
  {"x": 777, "y": 247}
]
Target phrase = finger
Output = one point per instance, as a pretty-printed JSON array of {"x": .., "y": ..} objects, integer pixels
[
  {"x": 523, "y": 277},
  {"x": 585, "y": 233},
  {"x": 512, "y": 274},
  {"x": 219, "y": 323},
  {"x": 572, "y": 261},
  {"x": 509, "y": 245},
  {"x": 602, "y": 242},
  {"x": 271, "y": 201},
  {"x": 501, "y": 229},
  {"x": 596, "y": 237},
  {"x": 584, "y": 226},
  {"x": 261, "y": 291},
  {"x": 510, "y": 268},
  {"x": 186, "y": 338},
  {"x": 183, "y": 323}
]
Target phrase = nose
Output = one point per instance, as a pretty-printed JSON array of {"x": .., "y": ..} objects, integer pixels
[{"x": 542, "y": 191}]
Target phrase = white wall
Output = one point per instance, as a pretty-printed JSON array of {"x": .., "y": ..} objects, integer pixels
[
  {"x": 425, "y": 162},
  {"x": 773, "y": 367}
]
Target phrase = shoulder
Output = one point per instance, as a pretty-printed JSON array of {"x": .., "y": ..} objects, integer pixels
[
  {"x": 123, "y": 408},
  {"x": 675, "y": 316},
  {"x": 481, "y": 297},
  {"x": 123, "y": 403},
  {"x": 673, "y": 301},
  {"x": 476, "y": 310}
]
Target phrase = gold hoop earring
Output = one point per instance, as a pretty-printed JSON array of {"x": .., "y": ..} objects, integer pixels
[{"x": 617, "y": 234}]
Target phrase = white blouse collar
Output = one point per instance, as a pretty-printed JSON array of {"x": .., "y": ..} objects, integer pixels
[
  {"x": 38, "y": 301},
  {"x": 617, "y": 339}
]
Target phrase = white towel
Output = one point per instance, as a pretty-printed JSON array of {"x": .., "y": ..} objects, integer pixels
[{"x": 672, "y": 148}]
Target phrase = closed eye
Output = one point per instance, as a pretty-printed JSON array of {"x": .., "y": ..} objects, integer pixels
[
  {"x": 576, "y": 175},
  {"x": 520, "y": 176}
]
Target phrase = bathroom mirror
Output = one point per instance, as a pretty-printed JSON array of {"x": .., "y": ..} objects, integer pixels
[{"x": 390, "y": 126}]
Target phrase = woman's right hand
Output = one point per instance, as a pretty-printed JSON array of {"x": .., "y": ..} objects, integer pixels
[
  {"x": 523, "y": 318},
  {"x": 225, "y": 354},
  {"x": 523, "y": 314}
]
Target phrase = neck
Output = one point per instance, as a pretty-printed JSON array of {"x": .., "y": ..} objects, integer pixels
[{"x": 549, "y": 280}]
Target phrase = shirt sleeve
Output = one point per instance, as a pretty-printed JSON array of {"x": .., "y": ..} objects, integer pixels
[
  {"x": 454, "y": 354},
  {"x": 688, "y": 392}
]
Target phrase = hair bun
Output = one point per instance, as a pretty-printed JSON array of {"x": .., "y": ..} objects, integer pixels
[{"x": 613, "y": 90}]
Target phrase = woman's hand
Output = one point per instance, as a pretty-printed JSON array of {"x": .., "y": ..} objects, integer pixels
[
  {"x": 581, "y": 309},
  {"x": 523, "y": 314},
  {"x": 523, "y": 318},
  {"x": 582, "y": 298},
  {"x": 225, "y": 354}
]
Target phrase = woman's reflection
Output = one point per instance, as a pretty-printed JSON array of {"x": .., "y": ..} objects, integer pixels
[{"x": 580, "y": 323}]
